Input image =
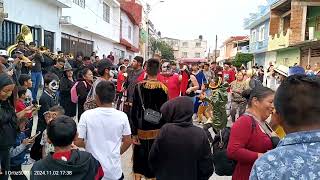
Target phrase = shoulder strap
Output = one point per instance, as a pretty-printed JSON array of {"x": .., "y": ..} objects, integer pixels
[{"x": 140, "y": 96}]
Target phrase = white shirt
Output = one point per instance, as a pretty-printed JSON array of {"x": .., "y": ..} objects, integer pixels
[{"x": 102, "y": 129}]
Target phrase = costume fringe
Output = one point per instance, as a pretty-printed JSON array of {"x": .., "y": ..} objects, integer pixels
[{"x": 155, "y": 85}]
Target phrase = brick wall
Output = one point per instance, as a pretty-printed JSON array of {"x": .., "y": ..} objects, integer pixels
[
  {"x": 296, "y": 23},
  {"x": 274, "y": 23}
]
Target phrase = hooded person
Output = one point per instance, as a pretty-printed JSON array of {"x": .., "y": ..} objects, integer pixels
[{"x": 182, "y": 150}]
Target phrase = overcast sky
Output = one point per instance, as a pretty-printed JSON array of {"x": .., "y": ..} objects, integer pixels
[{"x": 187, "y": 19}]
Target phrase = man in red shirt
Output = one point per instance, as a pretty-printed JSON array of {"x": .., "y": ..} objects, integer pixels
[
  {"x": 229, "y": 75},
  {"x": 171, "y": 80}
]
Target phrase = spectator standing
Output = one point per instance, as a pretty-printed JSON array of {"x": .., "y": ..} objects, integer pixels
[
  {"x": 249, "y": 137},
  {"x": 57, "y": 69},
  {"x": 83, "y": 88},
  {"x": 296, "y": 157},
  {"x": 238, "y": 103},
  {"x": 66, "y": 84},
  {"x": 182, "y": 150},
  {"x": 106, "y": 132},
  {"x": 66, "y": 163},
  {"x": 111, "y": 57},
  {"x": 153, "y": 94}
]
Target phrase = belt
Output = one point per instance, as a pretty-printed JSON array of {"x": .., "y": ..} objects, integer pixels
[
  {"x": 128, "y": 103},
  {"x": 148, "y": 135}
]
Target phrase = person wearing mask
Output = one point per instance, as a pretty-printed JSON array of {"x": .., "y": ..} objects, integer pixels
[
  {"x": 148, "y": 95},
  {"x": 66, "y": 84},
  {"x": 182, "y": 150},
  {"x": 296, "y": 157},
  {"x": 250, "y": 135},
  {"x": 83, "y": 87},
  {"x": 238, "y": 103},
  {"x": 8, "y": 122}
]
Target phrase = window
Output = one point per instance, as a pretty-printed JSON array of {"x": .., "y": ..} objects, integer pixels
[
  {"x": 81, "y": 3},
  {"x": 75, "y": 45},
  {"x": 318, "y": 23},
  {"x": 49, "y": 40},
  {"x": 129, "y": 32},
  {"x": 185, "y": 54},
  {"x": 198, "y": 44},
  {"x": 106, "y": 12},
  {"x": 261, "y": 33},
  {"x": 185, "y": 44},
  {"x": 254, "y": 36},
  {"x": 197, "y": 55}
]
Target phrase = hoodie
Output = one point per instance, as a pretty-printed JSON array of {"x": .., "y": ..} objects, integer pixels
[
  {"x": 182, "y": 150},
  {"x": 81, "y": 166}
]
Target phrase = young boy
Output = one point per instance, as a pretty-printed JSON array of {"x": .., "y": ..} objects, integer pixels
[
  {"x": 20, "y": 102},
  {"x": 25, "y": 81},
  {"x": 65, "y": 163},
  {"x": 19, "y": 150},
  {"x": 52, "y": 114}
]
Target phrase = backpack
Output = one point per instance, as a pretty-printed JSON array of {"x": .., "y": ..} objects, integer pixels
[
  {"x": 74, "y": 93},
  {"x": 223, "y": 165}
]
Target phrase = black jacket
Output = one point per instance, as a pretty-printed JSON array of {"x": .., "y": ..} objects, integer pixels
[
  {"x": 65, "y": 97},
  {"x": 182, "y": 150},
  {"x": 81, "y": 166},
  {"x": 8, "y": 125}
]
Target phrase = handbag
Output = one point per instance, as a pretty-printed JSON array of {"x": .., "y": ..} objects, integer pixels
[
  {"x": 149, "y": 115},
  {"x": 90, "y": 101}
]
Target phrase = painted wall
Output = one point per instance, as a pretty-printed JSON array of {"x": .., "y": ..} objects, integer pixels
[
  {"x": 288, "y": 57},
  {"x": 313, "y": 13},
  {"x": 256, "y": 46},
  {"x": 91, "y": 19},
  {"x": 35, "y": 12}
]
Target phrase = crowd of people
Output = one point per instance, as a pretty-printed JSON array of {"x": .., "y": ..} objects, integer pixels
[{"x": 163, "y": 108}]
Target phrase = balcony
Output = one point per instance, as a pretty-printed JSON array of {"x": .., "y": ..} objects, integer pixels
[
  {"x": 279, "y": 41},
  {"x": 61, "y": 3},
  {"x": 240, "y": 49}
]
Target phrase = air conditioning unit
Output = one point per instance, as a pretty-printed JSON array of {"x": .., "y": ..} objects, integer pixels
[{"x": 65, "y": 20}]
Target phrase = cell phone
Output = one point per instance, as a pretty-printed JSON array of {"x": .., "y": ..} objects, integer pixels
[{"x": 36, "y": 135}]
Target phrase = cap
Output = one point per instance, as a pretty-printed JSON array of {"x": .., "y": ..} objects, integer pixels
[
  {"x": 283, "y": 70},
  {"x": 3, "y": 53},
  {"x": 296, "y": 70}
]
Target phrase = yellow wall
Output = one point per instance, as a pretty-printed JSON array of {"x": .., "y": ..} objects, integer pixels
[{"x": 279, "y": 42}]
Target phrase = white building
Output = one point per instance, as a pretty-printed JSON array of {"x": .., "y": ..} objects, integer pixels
[
  {"x": 68, "y": 25},
  {"x": 187, "y": 48}
]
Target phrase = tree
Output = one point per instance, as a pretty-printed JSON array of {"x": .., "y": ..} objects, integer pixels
[
  {"x": 242, "y": 58},
  {"x": 165, "y": 49}
]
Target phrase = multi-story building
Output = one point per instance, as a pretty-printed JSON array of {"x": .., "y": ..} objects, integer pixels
[
  {"x": 187, "y": 48},
  {"x": 295, "y": 32},
  {"x": 258, "y": 24},
  {"x": 232, "y": 46},
  {"x": 131, "y": 14}
]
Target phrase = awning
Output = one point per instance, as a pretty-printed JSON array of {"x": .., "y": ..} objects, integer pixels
[{"x": 192, "y": 60}]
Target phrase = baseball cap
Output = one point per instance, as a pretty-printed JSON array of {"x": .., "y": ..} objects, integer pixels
[{"x": 3, "y": 53}]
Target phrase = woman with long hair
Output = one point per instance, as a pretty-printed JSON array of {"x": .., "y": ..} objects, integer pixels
[
  {"x": 250, "y": 135},
  {"x": 8, "y": 121}
]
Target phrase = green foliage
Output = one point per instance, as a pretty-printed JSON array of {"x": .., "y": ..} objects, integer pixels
[
  {"x": 165, "y": 49},
  {"x": 242, "y": 58}
]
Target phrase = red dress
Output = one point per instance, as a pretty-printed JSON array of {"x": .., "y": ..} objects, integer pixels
[
  {"x": 244, "y": 145},
  {"x": 173, "y": 84}
]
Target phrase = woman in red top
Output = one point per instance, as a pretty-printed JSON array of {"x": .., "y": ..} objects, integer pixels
[{"x": 249, "y": 141}]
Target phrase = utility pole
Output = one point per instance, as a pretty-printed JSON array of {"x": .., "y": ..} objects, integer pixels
[{"x": 215, "y": 49}]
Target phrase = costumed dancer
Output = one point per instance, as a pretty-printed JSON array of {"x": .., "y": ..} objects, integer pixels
[
  {"x": 170, "y": 79},
  {"x": 217, "y": 101}
]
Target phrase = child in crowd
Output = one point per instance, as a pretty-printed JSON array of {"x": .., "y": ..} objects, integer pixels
[
  {"x": 50, "y": 115},
  {"x": 65, "y": 163},
  {"x": 19, "y": 150},
  {"x": 25, "y": 81}
]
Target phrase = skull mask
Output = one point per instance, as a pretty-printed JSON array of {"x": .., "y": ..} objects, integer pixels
[{"x": 54, "y": 86}]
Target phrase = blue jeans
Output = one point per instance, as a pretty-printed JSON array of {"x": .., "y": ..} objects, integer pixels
[{"x": 36, "y": 78}]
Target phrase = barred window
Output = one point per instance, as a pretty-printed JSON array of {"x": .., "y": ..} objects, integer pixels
[
  {"x": 106, "y": 12},
  {"x": 81, "y": 3}
]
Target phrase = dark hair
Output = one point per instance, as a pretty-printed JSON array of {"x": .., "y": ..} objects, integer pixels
[
  {"x": 139, "y": 59},
  {"x": 58, "y": 109},
  {"x": 297, "y": 100},
  {"x": 61, "y": 60},
  {"x": 84, "y": 72},
  {"x": 227, "y": 63},
  {"x": 32, "y": 44},
  {"x": 122, "y": 67},
  {"x": 21, "y": 41},
  {"x": 23, "y": 78},
  {"x": 62, "y": 131},
  {"x": 153, "y": 67},
  {"x": 259, "y": 92},
  {"x": 213, "y": 63},
  {"x": 106, "y": 91},
  {"x": 5, "y": 80},
  {"x": 93, "y": 53},
  {"x": 86, "y": 58},
  {"x": 103, "y": 65},
  {"x": 96, "y": 57},
  {"x": 21, "y": 91},
  {"x": 50, "y": 77}
]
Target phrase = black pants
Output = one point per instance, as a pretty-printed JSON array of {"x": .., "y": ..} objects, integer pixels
[
  {"x": 206, "y": 128},
  {"x": 18, "y": 173},
  {"x": 119, "y": 96},
  {"x": 5, "y": 163}
]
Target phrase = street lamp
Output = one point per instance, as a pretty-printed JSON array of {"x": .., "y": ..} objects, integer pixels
[{"x": 148, "y": 10}]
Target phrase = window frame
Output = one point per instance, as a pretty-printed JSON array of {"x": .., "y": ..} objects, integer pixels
[
  {"x": 185, "y": 44},
  {"x": 261, "y": 35},
  {"x": 106, "y": 16},
  {"x": 254, "y": 35},
  {"x": 196, "y": 55},
  {"x": 81, "y": 3},
  {"x": 198, "y": 44},
  {"x": 129, "y": 32},
  {"x": 185, "y": 54}
]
